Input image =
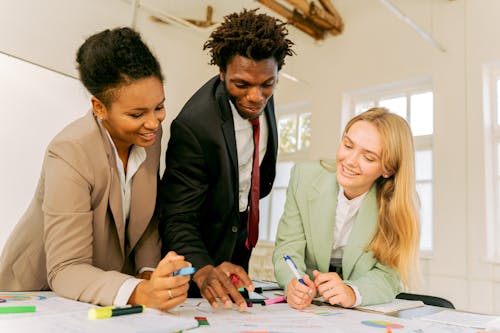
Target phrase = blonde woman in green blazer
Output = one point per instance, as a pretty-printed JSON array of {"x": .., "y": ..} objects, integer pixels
[{"x": 352, "y": 225}]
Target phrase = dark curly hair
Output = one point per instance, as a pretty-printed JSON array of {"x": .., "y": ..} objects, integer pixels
[
  {"x": 113, "y": 58},
  {"x": 248, "y": 34}
]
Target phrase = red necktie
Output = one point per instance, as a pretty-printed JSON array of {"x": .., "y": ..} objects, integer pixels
[{"x": 253, "y": 209}]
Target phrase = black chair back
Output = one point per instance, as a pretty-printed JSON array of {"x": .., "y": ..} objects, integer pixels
[{"x": 428, "y": 300}]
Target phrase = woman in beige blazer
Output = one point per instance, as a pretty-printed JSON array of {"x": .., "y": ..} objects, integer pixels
[
  {"x": 352, "y": 226},
  {"x": 90, "y": 227}
]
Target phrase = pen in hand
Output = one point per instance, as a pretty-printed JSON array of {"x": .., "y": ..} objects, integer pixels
[{"x": 293, "y": 268}]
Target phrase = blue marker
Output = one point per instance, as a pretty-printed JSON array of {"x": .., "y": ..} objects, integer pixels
[
  {"x": 293, "y": 267},
  {"x": 185, "y": 271}
]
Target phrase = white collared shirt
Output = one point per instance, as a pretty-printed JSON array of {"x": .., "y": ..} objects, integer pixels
[
  {"x": 136, "y": 157},
  {"x": 347, "y": 211},
  {"x": 244, "y": 145}
]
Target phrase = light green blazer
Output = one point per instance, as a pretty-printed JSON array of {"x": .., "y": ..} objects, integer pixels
[{"x": 305, "y": 233}]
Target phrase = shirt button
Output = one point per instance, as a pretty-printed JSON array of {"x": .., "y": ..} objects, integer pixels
[{"x": 234, "y": 229}]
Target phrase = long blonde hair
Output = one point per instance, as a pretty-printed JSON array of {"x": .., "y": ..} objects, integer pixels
[{"x": 396, "y": 241}]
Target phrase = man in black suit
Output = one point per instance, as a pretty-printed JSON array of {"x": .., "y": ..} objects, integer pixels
[{"x": 204, "y": 193}]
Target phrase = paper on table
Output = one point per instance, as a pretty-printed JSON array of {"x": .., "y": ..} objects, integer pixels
[
  {"x": 46, "y": 306},
  {"x": 77, "y": 322},
  {"x": 282, "y": 318},
  {"x": 57, "y": 314},
  {"x": 464, "y": 319},
  {"x": 396, "y": 305}
]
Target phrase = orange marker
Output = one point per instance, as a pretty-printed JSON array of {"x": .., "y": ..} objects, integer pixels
[{"x": 389, "y": 330}]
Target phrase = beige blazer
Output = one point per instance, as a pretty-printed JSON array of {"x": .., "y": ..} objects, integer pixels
[
  {"x": 73, "y": 238},
  {"x": 305, "y": 233}
]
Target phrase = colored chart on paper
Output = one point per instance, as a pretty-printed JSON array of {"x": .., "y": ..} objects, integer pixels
[
  {"x": 381, "y": 324},
  {"x": 20, "y": 297}
]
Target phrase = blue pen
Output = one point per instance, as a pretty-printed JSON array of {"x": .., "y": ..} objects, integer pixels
[
  {"x": 293, "y": 267},
  {"x": 185, "y": 271}
]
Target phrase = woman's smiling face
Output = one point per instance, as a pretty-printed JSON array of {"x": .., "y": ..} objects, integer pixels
[{"x": 359, "y": 162}]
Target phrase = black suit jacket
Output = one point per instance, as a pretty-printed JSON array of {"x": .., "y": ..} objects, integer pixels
[{"x": 198, "y": 193}]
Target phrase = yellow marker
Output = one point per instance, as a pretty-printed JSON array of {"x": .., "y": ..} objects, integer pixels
[{"x": 111, "y": 311}]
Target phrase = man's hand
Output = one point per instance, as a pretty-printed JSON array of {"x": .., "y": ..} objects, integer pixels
[
  {"x": 333, "y": 289},
  {"x": 163, "y": 291},
  {"x": 222, "y": 282}
]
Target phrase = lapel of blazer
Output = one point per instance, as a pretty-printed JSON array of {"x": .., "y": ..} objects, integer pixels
[
  {"x": 272, "y": 141},
  {"x": 115, "y": 195},
  {"x": 142, "y": 204},
  {"x": 227, "y": 124},
  {"x": 362, "y": 232},
  {"x": 143, "y": 190},
  {"x": 321, "y": 206}
]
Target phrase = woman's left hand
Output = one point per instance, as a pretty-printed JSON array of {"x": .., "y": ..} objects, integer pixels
[{"x": 333, "y": 289}]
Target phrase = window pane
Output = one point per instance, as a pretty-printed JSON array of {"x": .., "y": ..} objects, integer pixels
[
  {"x": 304, "y": 131},
  {"x": 423, "y": 164},
  {"x": 287, "y": 127},
  {"x": 278, "y": 205},
  {"x": 421, "y": 116},
  {"x": 425, "y": 195},
  {"x": 283, "y": 170},
  {"x": 363, "y": 106},
  {"x": 498, "y": 102},
  {"x": 395, "y": 105}
]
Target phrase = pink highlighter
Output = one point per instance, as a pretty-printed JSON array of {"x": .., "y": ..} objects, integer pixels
[{"x": 274, "y": 300}]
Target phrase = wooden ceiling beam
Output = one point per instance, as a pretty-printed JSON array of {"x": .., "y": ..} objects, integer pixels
[
  {"x": 327, "y": 5},
  {"x": 294, "y": 18},
  {"x": 309, "y": 17}
]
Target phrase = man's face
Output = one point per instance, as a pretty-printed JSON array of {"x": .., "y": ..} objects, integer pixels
[{"x": 250, "y": 83}]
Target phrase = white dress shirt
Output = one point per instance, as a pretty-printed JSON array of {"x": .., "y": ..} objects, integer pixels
[
  {"x": 346, "y": 213},
  {"x": 244, "y": 144}
]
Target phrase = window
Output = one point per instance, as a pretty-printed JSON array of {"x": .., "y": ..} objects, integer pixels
[
  {"x": 272, "y": 206},
  {"x": 414, "y": 102},
  {"x": 294, "y": 131}
]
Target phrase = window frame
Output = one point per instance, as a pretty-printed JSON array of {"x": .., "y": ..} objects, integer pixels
[{"x": 295, "y": 110}]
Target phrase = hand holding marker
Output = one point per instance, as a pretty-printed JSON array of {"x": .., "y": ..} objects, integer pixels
[{"x": 111, "y": 311}]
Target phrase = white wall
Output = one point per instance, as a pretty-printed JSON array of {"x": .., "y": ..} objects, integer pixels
[
  {"x": 376, "y": 48},
  {"x": 36, "y": 104}
]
